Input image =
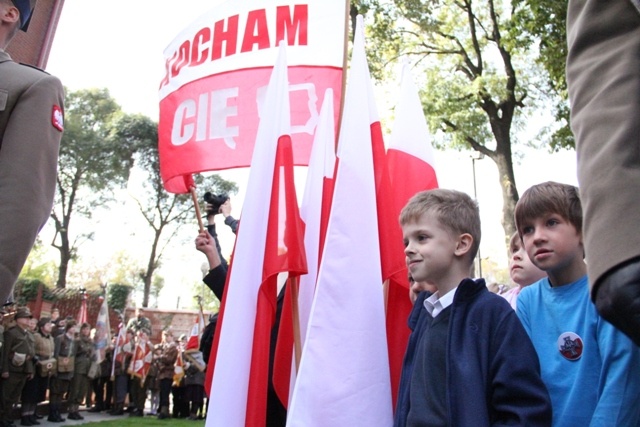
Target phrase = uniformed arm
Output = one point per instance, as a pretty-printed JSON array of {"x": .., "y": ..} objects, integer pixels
[
  {"x": 9, "y": 343},
  {"x": 225, "y": 210},
  {"x": 56, "y": 346},
  {"x": 28, "y": 168},
  {"x": 619, "y": 380}
]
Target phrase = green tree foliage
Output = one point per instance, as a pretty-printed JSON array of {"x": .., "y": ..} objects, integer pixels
[
  {"x": 27, "y": 290},
  {"x": 202, "y": 295},
  {"x": 38, "y": 267},
  {"x": 164, "y": 212},
  {"x": 479, "y": 76},
  {"x": 118, "y": 295},
  {"x": 544, "y": 21},
  {"x": 91, "y": 166}
]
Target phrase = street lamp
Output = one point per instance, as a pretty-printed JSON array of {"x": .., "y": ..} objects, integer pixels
[{"x": 476, "y": 156}]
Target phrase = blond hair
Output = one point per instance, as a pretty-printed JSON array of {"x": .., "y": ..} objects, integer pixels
[{"x": 455, "y": 211}]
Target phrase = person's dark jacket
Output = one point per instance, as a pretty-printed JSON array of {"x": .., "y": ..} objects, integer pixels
[
  {"x": 416, "y": 324},
  {"x": 493, "y": 372}
]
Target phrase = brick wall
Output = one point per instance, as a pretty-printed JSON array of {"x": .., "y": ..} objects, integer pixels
[
  {"x": 33, "y": 46},
  {"x": 180, "y": 321}
]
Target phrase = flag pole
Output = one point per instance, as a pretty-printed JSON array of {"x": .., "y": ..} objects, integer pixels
[
  {"x": 194, "y": 197},
  {"x": 297, "y": 339},
  {"x": 345, "y": 63}
]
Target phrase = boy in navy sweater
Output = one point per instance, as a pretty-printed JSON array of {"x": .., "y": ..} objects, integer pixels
[{"x": 474, "y": 364}]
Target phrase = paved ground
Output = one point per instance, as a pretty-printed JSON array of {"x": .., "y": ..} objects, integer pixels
[{"x": 89, "y": 417}]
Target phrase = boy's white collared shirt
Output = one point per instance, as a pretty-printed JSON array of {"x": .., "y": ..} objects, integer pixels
[{"x": 434, "y": 304}]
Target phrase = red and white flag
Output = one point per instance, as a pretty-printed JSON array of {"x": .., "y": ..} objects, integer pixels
[
  {"x": 216, "y": 72},
  {"x": 314, "y": 210},
  {"x": 118, "y": 351},
  {"x": 102, "y": 337},
  {"x": 82, "y": 314},
  {"x": 410, "y": 151},
  {"x": 178, "y": 369},
  {"x": 141, "y": 359},
  {"x": 193, "y": 342},
  {"x": 343, "y": 378},
  {"x": 265, "y": 246},
  {"x": 409, "y": 154}
]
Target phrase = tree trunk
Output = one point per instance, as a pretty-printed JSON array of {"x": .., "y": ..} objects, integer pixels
[
  {"x": 65, "y": 258},
  {"x": 151, "y": 267},
  {"x": 509, "y": 192}
]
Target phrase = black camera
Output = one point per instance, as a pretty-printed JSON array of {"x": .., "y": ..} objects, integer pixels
[{"x": 215, "y": 200}]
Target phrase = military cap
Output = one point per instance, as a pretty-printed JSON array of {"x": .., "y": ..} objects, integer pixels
[
  {"x": 25, "y": 7},
  {"x": 23, "y": 312}
]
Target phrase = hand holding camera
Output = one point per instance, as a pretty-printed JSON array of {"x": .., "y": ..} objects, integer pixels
[{"x": 214, "y": 202}]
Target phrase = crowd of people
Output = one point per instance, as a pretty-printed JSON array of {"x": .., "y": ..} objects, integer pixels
[
  {"x": 58, "y": 360},
  {"x": 539, "y": 355}
]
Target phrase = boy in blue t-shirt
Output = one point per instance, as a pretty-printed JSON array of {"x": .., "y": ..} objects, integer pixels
[
  {"x": 591, "y": 369},
  {"x": 473, "y": 364}
]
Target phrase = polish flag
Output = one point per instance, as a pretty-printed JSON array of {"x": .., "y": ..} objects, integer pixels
[
  {"x": 314, "y": 210},
  {"x": 265, "y": 246},
  {"x": 409, "y": 154},
  {"x": 343, "y": 378},
  {"x": 178, "y": 369},
  {"x": 193, "y": 343},
  {"x": 82, "y": 314},
  {"x": 118, "y": 352},
  {"x": 141, "y": 359},
  {"x": 102, "y": 337}
]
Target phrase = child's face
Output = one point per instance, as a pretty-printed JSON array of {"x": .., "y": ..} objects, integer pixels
[
  {"x": 553, "y": 244},
  {"x": 429, "y": 249},
  {"x": 522, "y": 271}
]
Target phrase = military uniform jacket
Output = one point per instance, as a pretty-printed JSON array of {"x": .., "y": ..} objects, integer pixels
[
  {"x": 138, "y": 323},
  {"x": 31, "y": 122},
  {"x": 18, "y": 340},
  {"x": 44, "y": 346},
  {"x": 85, "y": 351},
  {"x": 64, "y": 347},
  {"x": 166, "y": 362}
]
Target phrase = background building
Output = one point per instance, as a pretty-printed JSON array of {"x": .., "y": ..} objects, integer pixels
[{"x": 33, "y": 47}]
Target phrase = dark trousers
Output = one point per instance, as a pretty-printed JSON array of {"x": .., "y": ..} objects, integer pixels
[
  {"x": 11, "y": 391},
  {"x": 99, "y": 384},
  {"x": 165, "y": 391},
  {"x": 138, "y": 394},
  {"x": 121, "y": 388},
  {"x": 58, "y": 389},
  {"x": 180, "y": 403}
]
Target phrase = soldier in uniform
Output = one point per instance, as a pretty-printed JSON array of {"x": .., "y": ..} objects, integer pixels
[
  {"x": 17, "y": 362},
  {"x": 64, "y": 352},
  {"x": 28, "y": 403},
  {"x": 85, "y": 353},
  {"x": 139, "y": 322},
  {"x": 44, "y": 353},
  {"x": 122, "y": 355},
  {"x": 31, "y": 124},
  {"x": 166, "y": 364},
  {"x": 138, "y": 389}
]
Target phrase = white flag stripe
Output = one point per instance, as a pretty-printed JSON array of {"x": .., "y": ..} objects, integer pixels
[
  {"x": 321, "y": 165},
  {"x": 410, "y": 122},
  {"x": 233, "y": 360},
  {"x": 344, "y": 372}
]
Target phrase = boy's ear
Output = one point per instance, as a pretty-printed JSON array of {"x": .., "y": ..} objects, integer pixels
[
  {"x": 10, "y": 14},
  {"x": 463, "y": 244}
]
